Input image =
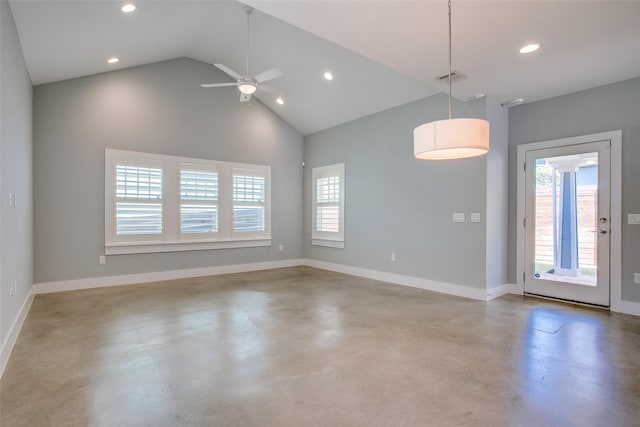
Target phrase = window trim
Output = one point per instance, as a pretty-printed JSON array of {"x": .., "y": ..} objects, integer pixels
[
  {"x": 326, "y": 238},
  {"x": 172, "y": 239}
]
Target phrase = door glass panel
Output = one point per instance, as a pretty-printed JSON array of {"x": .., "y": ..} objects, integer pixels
[{"x": 566, "y": 219}]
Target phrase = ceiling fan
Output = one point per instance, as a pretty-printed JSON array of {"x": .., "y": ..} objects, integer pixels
[{"x": 247, "y": 84}]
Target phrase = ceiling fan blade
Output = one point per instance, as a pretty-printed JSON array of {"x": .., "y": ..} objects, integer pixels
[
  {"x": 218, "y": 84},
  {"x": 229, "y": 71},
  {"x": 267, "y": 88},
  {"x": 244, "y": 97},
  {"x": 271, "y": 74}
]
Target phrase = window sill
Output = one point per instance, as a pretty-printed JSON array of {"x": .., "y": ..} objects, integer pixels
[
  {"x": 328, "y": 243},
  {"x": 144, "y": 248}
]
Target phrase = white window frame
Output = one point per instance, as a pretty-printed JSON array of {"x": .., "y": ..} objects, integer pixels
[
  {"x": 326, "y": 238},
  {"x": 172, "y": 239}
]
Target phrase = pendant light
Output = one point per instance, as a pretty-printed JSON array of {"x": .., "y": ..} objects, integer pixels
[{"x": 451, "y": 138}]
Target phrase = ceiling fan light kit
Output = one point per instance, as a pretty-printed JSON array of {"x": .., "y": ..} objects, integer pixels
[
  {"x": 451, "y": 138},
  {"x": 247, "y": 84}
]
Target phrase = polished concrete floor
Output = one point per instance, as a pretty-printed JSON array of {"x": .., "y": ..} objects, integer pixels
[{"x": 305, "y": 347}]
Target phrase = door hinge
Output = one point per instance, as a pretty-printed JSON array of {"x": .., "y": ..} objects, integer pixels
[
  {"x": 523, "y": 277},
  {"x": 524, "y": 222},
  {"x": 524, "y": 166}
]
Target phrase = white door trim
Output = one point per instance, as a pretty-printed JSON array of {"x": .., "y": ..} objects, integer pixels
[{"x": 615, "y": 265}]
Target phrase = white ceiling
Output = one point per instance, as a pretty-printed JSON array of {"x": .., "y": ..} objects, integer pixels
[{"x": 383, "y": 53}]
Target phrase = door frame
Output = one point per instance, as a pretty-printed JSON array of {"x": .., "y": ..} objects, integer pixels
[{"x": 615, "y": 249}]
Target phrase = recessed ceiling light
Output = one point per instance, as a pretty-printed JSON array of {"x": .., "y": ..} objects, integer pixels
[
  {"x": 113, "y": 60},
  {"x": 128, "y": 8},
  {"x": 530, "y": 48},
  {"x": 279, "y": 101},
  {"x": 328, "y": 76}
]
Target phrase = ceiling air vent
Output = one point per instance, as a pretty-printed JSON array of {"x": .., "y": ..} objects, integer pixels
[{"x": 455, "y": 76}]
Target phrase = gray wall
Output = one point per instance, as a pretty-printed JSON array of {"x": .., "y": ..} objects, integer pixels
[
  {"x": 497, "y": 195},
  {"x": 395, "y": 203},
  {"x": 16, "y": 238},
  {"x": 158, "y": 108},
  {"x": 606, "y": 108}
]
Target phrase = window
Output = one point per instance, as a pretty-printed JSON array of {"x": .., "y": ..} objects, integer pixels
[
  {"x": 156, "y": 203},
  {"x": 138, "y": 210},
  {"x": 198, "y": 201},
  {"x": 248, "y": 201},
  {"x": 328, "y": 206}
]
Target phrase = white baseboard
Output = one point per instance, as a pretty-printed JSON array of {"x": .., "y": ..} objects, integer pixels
[
  {"x": 627, "y": 307},
  {"x": 414, "y": 282},
  {"x": 498, "y": 291},
  {"x": 14, "y": 330},
  {"x": 130, "y": 279}
]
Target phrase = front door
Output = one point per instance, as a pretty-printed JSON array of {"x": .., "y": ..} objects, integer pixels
[{"x": 567, "y": 222}]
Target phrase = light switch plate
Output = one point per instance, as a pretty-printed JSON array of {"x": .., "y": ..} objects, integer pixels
[
  {"x": 475, "y": 217},
  {"x": 636, "y": 278},
  {"x": 634, "y": 219},
  {"x": 458, "y": 217}
]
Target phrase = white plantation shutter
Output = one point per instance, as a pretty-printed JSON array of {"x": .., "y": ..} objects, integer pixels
[
  {"x": 162, "y": 203},
  {"x": 328, "y": 204},
  {"x": 138, "y": 208},
  {"x": 198, "y": 200},
  {"x": 249, "y": 201}
]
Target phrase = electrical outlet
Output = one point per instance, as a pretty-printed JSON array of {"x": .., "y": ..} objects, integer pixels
[
  {"x": 458, "y": 217},
  {"x": 475, "y": 217},
  {"x": 281, "y": 247},
  {"x": 393, "y": 257},
  {"x": 633, "y": 219},
  {"x": 636, "y": 278},
  {"x": 102, "y": 259}
]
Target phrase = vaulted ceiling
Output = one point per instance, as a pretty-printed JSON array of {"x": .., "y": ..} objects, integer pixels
[{"x": 382, "y": 53}]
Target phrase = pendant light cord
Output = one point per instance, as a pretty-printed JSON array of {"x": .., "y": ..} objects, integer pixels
[{"x": 449, "y": 59}]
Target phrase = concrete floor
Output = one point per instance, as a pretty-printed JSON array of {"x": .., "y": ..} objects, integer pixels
[{"x": 305, "y": 347}]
